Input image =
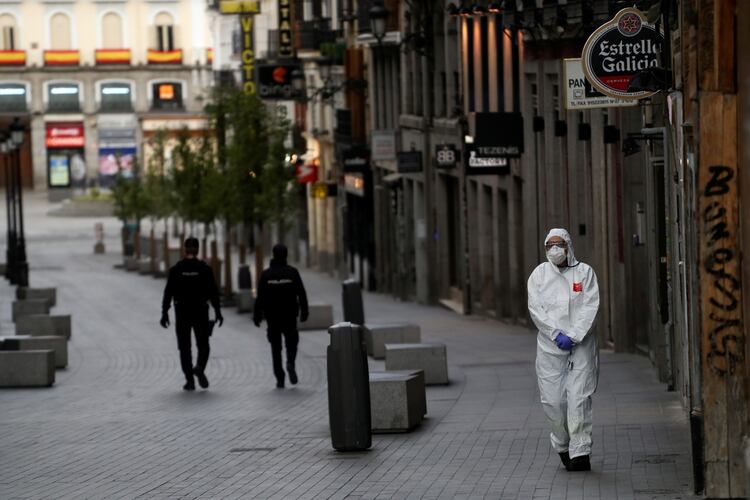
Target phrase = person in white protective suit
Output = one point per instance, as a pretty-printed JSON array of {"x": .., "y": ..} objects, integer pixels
[{"x": 563, "y": 302}]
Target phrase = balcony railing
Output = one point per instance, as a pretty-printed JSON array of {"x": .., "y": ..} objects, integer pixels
[
  {"x": 62, "y": 58},
  {"x": 12, "y": 57},
  {"x": 112, "y": 56},
  {"x": 311, "y": 34}
]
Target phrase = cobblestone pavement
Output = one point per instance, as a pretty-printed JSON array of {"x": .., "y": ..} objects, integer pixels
[{"x": 116, "y": 424}]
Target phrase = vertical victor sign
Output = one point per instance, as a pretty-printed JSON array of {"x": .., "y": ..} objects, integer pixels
[
  {"x": 248, "y": 54},
  {"x": 285, "y": 29}
]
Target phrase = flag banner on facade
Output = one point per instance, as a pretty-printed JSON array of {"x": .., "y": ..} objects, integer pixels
[
  {"x": 209, "y": 56},
  {"x": 12, "y": 57},
  {"x": 112, "y": 56},
  {"x": 61, "y": 57},
  {"x": 165, "y": 56}
]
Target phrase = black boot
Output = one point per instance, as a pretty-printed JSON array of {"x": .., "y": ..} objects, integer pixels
[
  {"x": 565, "y": 458},
  {"x": 292, "y": 373},
  {"x": 202, "y": 379},
  {"x": 280, "y": 382},
  {"x": 578, "y": 464},
  {"x": 189, "y": 385}
]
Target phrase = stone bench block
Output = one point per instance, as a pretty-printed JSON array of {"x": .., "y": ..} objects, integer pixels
[
  {"x": 23, "y": 308},
  {"x": 44, "y": 325},
  {"x": 397, "y": 400},
  {"x": 245, "y": 301},
  {"x": 431, "y": 358},
  {"x": 48, "y": 294},
  {"x": 28, "y": 343},
  {"x": 376, "y": 336},
  {"x": 321, "y": 317},
  {"x": 27, "y": 368},
  {"x": 131, "y": 263},
  {"x": 144, "y": 265}
]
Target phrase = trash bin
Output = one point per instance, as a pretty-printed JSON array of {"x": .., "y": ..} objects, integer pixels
[
  {"x": 244, "y": 278},
  {"x": 351, "y": 296},
  {"x": 348, "y": 388}
]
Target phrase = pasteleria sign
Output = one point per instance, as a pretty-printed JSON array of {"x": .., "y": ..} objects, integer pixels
[{"x": 618, "y": 50}]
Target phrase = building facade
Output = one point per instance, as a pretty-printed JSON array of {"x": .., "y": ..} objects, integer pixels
[{"x": 93, "y": 81}]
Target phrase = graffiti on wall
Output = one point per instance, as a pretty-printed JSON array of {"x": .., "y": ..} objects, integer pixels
[{"x": 721, "y": 262}]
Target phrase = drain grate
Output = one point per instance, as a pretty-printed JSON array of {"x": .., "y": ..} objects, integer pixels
[
  {"x": 250, "y": 450},
  {"x": 656, "y": 459}
]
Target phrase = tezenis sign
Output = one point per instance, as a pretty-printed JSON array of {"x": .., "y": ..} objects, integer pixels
[{"x": 618, "y": 50}]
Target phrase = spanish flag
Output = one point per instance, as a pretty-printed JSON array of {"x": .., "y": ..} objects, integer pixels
[
  {"x": 12, "y": 57},
  {"x": 209, "y": 56},
  {"x": 61, "y": 57},
  {"x": 164, "y": 56},
  {"x": 113, "y": 56}
]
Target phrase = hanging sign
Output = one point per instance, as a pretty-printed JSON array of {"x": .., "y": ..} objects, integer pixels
[
  {"x": 579, "y": 94},
  {"x": 618, "y": 50},
  {"x": 285, "y": 29},
  {"x": 486, "y": 160},
  {"x": 248, "y": 54},
  {"x": 446, "y": 156},
  {"x": 239, "y": 7}
]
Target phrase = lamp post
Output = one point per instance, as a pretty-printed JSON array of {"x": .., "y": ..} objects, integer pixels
[
  {"x": 17, "y": 133},
  {"x": 6, "y": 146},
  {"x": 10, "y": 181},
  {"x": 378, "y": 19}
]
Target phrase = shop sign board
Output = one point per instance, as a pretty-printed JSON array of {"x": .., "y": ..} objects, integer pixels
[
  {"x": 286, "y": 48},
  {"x": 620, "y": 49},
  {"x": 486, "y": 160},
  {"x": 64, "y": 135},
  {"x": 356, "y": 159},
  {"x": 275, "y": 81},
  {"x": 306, "y": 173},
  {"x": 247, "y": 54},
  {"x": 409, "y": 162},
  {"x": 383, "y": 145},
  {"x": 446, "y": 156},
  {"x": 580, "y": 94}
]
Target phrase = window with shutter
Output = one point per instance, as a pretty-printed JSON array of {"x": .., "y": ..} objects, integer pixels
[
  {"x": 8, "y": 26},
  {"x": 112, "y": 31},
  {"x": 60, "y": 36}
]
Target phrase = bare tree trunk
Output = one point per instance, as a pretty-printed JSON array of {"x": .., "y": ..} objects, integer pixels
[
  {"x": 258, "y": 254},
  {"x": 152, "y": 250},
  {"x": 227, "y": 269},
  {"x": 137, "y": 243},
  {"x": 165, "y": 247},
  {"x": 204, "y": 252},
  {"x": 215, "y": 262}
]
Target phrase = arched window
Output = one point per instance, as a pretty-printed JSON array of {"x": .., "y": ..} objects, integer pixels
[
  {"x": 8, "y": 28},
  {"x": 164, "y": 32},
  {"x": 112, "y": 31},
  {"x": 60, "y": 35}
]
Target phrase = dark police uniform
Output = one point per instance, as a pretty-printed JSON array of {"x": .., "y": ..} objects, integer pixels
[
  {"x": 192, "y": 286},
  {"x": 281, "y": 297}
]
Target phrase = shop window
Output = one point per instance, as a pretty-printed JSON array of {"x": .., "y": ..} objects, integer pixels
[
  {"x": 60, "y": 35},
  {"x": 64, "y": 97},
  {"x": 164, "y": 31},
  {"x": 116, "y": 97},
  {"x": 112, "y": 31},
  {"x": 167, "y": 96},
  {"x": 13, "y": 97},
  {"x": 8, "y": 28}
]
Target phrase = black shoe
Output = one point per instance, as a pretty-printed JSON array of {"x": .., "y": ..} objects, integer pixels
[
  {"x": 565, "y": 458},
  {"x": 189, "y": 385},
  {"x": 280, "y": 383},
  {"x": 202, "y": 380},
  {"x": 578, "y": 464},
  {"x": 292, "y": 373}
]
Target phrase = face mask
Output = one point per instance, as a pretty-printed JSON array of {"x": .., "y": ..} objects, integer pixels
[{"x": 556, "y": 255}]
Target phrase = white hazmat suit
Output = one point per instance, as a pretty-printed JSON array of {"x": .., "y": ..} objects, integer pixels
[{"x": 566, "y": 299}]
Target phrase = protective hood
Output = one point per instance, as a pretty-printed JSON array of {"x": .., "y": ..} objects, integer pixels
[{"x": 565, "y": 235}]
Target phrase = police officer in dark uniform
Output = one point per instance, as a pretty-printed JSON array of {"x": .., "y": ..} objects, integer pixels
[
  {"x": 192, "y": 286},
  {"x": 281, "y": 297}
]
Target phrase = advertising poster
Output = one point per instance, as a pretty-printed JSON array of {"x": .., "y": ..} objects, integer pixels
[{"x": 59, "y": 171}]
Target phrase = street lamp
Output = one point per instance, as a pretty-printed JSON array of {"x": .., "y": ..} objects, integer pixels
[
  {"x": 378, "y": 18},
  {"x": 17, "y": 133}
]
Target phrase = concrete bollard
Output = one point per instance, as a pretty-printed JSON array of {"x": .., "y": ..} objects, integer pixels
[
  {"x": 28, "y": 343},
  {"x": 131, "y": 263},
  {"x": 49, "y": 294},
  {"x": 430, "y": 358},
  {"x": 45, "y": 325},
  {"x": 144, "y": 265},
  {"x": 321, "y": 318},
  {"x": 23, "y": 308},
  {"x": 245, "y": 301},
  {"x": 27, "y": 368},
  {"x": 377, "y": 336}
]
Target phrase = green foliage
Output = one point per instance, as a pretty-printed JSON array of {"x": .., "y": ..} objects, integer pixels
[
  {"x": 257, "y": 179},
  {"x": 158, "y": 192},
  {"x": 128, "y": 194}
]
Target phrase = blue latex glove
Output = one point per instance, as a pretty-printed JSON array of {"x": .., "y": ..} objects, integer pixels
[{"x": 563, "y": 341}]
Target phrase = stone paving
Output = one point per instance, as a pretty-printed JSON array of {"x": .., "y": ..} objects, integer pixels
[{"x": 116, "y": 424}]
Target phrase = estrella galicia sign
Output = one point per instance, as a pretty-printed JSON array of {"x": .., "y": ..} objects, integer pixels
[{"x": 618, "y": 50}]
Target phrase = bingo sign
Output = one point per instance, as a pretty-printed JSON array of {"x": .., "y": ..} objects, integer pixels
[{"x": 618, "y": 50}]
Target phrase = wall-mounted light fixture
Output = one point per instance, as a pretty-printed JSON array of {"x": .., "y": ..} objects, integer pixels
[
  {"x": 452, "y": 10},
  {"x": 495, "y": 8},
  {"x": 479, "y": 10}
]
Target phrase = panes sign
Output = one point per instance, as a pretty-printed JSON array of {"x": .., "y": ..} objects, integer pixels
[{"x": 618, "y": 50}]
